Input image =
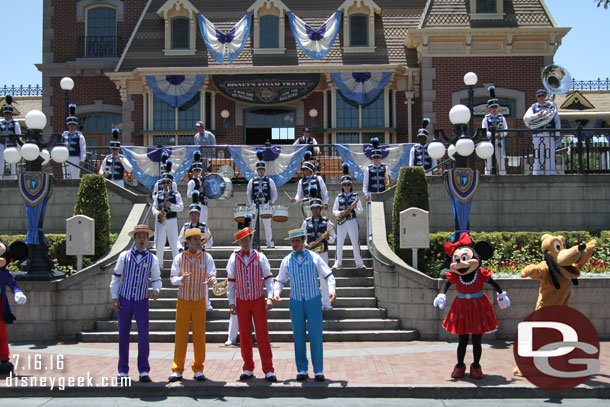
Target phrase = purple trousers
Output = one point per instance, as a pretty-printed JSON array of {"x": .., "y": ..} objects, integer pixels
[{"x": 139, "y": 310}]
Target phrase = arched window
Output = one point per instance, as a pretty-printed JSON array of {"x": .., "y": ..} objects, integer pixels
[
  {"x": 269, "y": 31},
  {"x": 100, "y": 41},
  {"x": 180, "y": 33},
  {"x": 359, "y": 30}
]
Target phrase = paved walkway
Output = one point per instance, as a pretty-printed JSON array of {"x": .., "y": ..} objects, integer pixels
[{"x": 374, "y": 369}]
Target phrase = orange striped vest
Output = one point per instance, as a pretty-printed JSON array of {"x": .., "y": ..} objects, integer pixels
[{"x": 193, "y": 288}]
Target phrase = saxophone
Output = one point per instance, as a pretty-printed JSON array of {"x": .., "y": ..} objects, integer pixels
[
  {"x": 342, "y": 219},
  {"x": 164, "y": 211},
  {"x": 316, "y": 246}
]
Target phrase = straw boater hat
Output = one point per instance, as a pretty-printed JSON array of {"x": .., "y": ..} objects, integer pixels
[
  {"x": 246, "y": 231},
  {"x": 296, "y": 233},
  {"x": 141, "y": 228},
  {"x": 193, "y": 232}
]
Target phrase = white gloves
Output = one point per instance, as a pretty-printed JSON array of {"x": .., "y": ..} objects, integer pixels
[
  {"x": 503, "y": 300},
  {"x": 440, "y": 301},
  {"x": 20, "y": 298}
]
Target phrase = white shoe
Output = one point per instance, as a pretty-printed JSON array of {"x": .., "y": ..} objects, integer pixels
[
  {"x": 210, "y": 308},
  {"x": 336, "y": 266},
  {"x": 271, "y": 245},
  {"x": 327, "y": 307},
  {"x": 230, "y": 343}
]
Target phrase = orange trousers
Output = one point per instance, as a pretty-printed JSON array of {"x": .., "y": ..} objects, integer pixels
[{"x": 189, "y": 313}]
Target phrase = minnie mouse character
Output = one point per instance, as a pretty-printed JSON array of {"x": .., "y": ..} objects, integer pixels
[
  {"x": 471, "y": 312},
  {"x": 16, "y": 251}
]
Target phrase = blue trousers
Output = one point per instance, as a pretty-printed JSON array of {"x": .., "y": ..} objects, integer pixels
[
  {"x": 139, "y": 310},
  {"x": 307, "y": 315}
]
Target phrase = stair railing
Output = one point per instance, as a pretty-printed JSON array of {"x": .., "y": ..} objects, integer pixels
[{"x": 369, "y": 237}]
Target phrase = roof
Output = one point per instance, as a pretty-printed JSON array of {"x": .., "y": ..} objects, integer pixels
[
  {"x": 24, "y": 104},
  {"x": 456, "y": 14},
  {"x": 600, "y": 99},
  {"x": 146, "y": 47}
]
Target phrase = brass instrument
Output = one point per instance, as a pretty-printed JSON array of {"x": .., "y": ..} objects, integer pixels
[
  {"x": 220, "y": 288},
  {"x": 557, "y": 81},
  {"x": 164, "y": 210},
  {"x": 342, "y": 219},
  {"x": 389, "y": 181},
  {"x": 316, "y": 246}
]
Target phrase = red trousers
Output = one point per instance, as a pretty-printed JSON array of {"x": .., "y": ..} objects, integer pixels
[
  {"x": 4, "y": 352},
  {"x": 246, "y": 311}
]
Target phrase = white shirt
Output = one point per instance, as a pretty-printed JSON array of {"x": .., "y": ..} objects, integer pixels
[{"x": 265, "y": 268}]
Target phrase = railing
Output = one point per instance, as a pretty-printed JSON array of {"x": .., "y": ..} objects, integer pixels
[
  {"x": 599, "y": 84},
  {"x": 21, "y": 90},
  {"x": 98, "y": 46}
]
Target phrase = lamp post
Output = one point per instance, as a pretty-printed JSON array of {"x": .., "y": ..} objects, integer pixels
[
  {"x": 67, "y": 84},
  {"x": 470, "y": 80},
  {"x": 36, "y": 188},
  {"x": 225, "y": 114}
]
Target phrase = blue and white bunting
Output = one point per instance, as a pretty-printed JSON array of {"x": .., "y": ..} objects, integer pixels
[
  {"x": 146, "y": 162},
  {"x": 281, "y": 162},
  {"x": 358, "y": 156},
  {"x": 230, "y": 43},
  {"x": 315, "y": 43},
  {"x": 176, "y": 90},
  {"x": 361, "y": 87}
]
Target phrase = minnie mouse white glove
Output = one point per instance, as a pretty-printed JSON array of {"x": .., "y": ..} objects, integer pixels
[
  {"x": 440, "y": 301},
  {"x": 503, "y": 300},
  {"x": 20, "y": 298}
]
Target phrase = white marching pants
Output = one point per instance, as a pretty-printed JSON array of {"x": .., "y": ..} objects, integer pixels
[
  {"x": 12, "y": 167},
  {"x": 168, "y": 231},
  {"x": 234, "y": 328},
  {"x": 500, "y": 151},
  {"x": 72, "y": 172},
  {"x": 544, "y": 152},
  {"x": 350, "y": 227},
  {"x": 324, "y": 284},
  {"x": 203, "y": 218},
  {"x": 267, "y": 226}
]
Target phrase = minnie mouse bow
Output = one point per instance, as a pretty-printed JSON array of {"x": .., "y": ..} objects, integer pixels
[{"x": 464, "y": 240}]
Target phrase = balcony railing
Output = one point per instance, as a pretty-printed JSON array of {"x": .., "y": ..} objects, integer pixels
[
  {"x": 599, "y": 84},
  {"x": 21, "y": 90},
  {"x": 99, "y": 46}
]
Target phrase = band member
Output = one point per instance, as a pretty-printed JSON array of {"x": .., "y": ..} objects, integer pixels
[
  {"x": 319, "y": 227},
  {"x": 193, "y": 271},
  {"x": 262, "y": 190},
  {"x": 195, "y": 223},
  {"x": 376, "y": 173},
  {"x": 495, "y": 120},
  {"x": 16, "y": 251},
  {"x": 165, "y": 209},
  {"x": 248, "y": 272},
  {"x": 310, "y": 178},
  {"x": 165, "y": 170},
  {"x": 419, "y": 157},
  {"x": 129, "y": 291},
  {"x": 303, "y": 267},
  {"x": 194, "y": 189},
  {"x": 544, "y": 141},
  {"x": 115, "y": 164},
  {"x": 346, "y": 207},
  {"x": 306, "y": 138},
  {"x": 8, "y": 126},
  {"x": 76, "y": 144}
]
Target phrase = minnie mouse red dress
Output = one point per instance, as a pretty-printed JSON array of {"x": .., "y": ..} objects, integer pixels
[{"x": 471, "y": 312}]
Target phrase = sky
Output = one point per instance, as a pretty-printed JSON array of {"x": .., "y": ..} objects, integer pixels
[{"x": 582, "y": 51}]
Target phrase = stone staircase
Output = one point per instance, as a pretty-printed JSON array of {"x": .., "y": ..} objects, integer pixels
[{"x": 355, "y": 316}]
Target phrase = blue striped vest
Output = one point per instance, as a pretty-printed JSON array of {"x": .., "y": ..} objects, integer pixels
[{"x": 303, "y": 276}]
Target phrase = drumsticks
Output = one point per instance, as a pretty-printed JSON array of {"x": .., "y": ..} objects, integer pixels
[{"x": 289, "y": 197}]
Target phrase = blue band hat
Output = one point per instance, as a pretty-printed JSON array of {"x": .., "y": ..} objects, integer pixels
[
  {"x": 72, "y": 119},
  {"x": 346, "y": 177},
  {"x": 8, "y": 108},
  {"x": 376, "y": 152},
  {"x": 308, "y": 166},
  {"x": 115, "y": 143},
  {"x": 423, "y": 132},
  {"x": 541, "y": 92},
  {"x": 260, "y": 163},
  {"x": 296, "y": 233},
  {"x": 196, "y": 166},
  {"x": 194, "y": 208},
  {"x": 493, "y": 101},
  {"x": 314, "y": 200}
]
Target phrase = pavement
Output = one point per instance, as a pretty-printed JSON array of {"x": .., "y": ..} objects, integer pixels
[{"x": 417, "y": 369}]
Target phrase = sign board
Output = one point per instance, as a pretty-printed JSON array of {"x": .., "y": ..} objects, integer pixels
[
  {"x": 483, "y": 109},
  {"x": 414, "y": 229},
  {"x": 80, "y": 236},
  {"x": 266, "y": 89}
]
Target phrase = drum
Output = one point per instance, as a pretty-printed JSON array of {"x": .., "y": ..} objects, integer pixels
[
  {"x": 280, "y": 213},
  {"x": 266, "y": 211},
  {"x": 239, "y": 213},
  {"x": 305, "y": 208},
  {"x": 217, "y": 187}
]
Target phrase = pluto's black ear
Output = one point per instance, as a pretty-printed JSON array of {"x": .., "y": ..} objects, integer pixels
[{"x": 484, "y": 250}]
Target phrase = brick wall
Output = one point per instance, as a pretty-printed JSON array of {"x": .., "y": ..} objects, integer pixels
[
  {"x": 233, "y": 134},
  {"x": 137, "y": 116}
]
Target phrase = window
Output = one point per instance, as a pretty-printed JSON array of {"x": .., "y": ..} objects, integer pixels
[
  {"x": 189, "y": 113},
  {"x": 352, "y": 116},
  {"x": 486, "y": 9},
  {"x": 99, "y": 122},
  {"x": 347, "y": 113},
  {"x": 164, "y": 115},
  {"x": 180, "y": 33},
  {"x": 487, "y": 6},
  {"x": 359, "y": 30},
  {"x": 373, "y": 113},
  {"x": 282, "y": 133},
  {"x": 100, "y": 41},
  {"x": 269, "y": 31},
  {"x": 345, "y": 138},
  {"x": 208, "y": 110}
]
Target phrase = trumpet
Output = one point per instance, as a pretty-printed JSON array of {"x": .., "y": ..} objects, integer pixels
[{"x": 220, "y": 288}]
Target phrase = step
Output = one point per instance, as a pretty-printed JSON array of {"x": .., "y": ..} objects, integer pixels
[
  {"x": 342, "y": 272},
  {"x": 221, "y": 262},
  {"x": 276, "y": 313},
  {"x": 340, "y": 281},
  {"x": 277, "y": 252},
  {"x": 223, "y": 302},
  {"x": 172, "y": 292},
  {"x": 275, "y": 336}
]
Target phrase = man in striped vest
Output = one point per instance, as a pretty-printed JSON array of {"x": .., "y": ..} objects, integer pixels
[
  {"x": 129, "y": 291},
  {"x": 192, "y": 271},
  {"x": 247, "y": 272},
  {"x": 302, "y": 267}
]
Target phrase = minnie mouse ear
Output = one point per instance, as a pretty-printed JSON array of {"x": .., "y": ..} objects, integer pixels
[{"x": 484, "y": 250}]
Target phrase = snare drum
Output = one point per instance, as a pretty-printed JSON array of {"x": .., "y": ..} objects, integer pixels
[
  {"x": 217, "y": 187},
  {"x": 280, "y": 213},
  {"x": 239, "y": 213},
  {"x": 266, "y": 211}
]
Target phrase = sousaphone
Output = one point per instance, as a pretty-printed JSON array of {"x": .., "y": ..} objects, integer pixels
[{"x": 557, "y": 81}]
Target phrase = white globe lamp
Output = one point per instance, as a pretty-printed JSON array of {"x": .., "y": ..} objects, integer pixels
[
  {"x": 313, "y": 113},
  {"x": 485, "y": 150},
  {"x": 436, "y": 150},
  {"x": 35, "y": 120},
  {"x": 225, "y": 114},
  {"x": 60, "y": 154},
  {"x": 30, "y": 151},
  {"x": 451, "y": 151},
  {"x": 459, "y": 114},
  {"x": 46, "y": 156},
  {"x": 470, "y": 79},
  {"x": 12, "y": 155},
  {"x": 465, "y": 146},
  {"x": 66, "y": 83}
]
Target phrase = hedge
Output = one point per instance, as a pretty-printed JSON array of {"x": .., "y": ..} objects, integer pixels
[{"x": 92, "y": 201}]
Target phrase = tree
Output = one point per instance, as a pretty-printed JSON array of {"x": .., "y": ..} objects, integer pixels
[{"x": 92, "y": 201}]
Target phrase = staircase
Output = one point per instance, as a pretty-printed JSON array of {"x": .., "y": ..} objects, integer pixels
[{"x": 355, "y": 316}]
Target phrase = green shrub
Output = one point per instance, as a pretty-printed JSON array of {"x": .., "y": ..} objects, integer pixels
[
  {"x": 92, "y": 201},
  {"x": 411, "y": 192}
]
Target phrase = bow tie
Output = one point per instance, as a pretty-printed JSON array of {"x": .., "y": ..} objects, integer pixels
[
  {"x": 139, "y": 252},
  {"x": 246, "y": 254}
]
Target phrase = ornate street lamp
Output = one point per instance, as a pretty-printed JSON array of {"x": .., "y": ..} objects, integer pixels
[
  {"x": 67, "y": 84},
  {"x": 36, "y": 188},
  {"x": 470, "y": 80},
  {"x": 313, "y": 113},
  {"x": 225, "y": 114}
]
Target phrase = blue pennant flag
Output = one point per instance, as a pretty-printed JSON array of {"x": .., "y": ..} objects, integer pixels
[
  {"x": 176, "y": 90},
  {"x": 315, "y": 43},
  {"x": 358, "y": 157},
  {"x": 462, "y": 184},
  {"x": 361, "y": 87},
  {"x": 147, "y": 164},
  {"x": 281, "y": 162},
  {"x": 230, "y": 43}
]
